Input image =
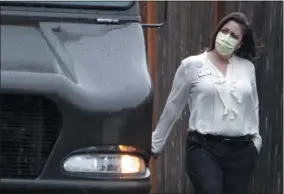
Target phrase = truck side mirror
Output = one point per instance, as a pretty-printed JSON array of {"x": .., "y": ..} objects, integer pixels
[{"x": 159, "y": 25}]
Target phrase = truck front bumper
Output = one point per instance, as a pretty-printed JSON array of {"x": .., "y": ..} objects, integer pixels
[{"x": 75, "y": 187}]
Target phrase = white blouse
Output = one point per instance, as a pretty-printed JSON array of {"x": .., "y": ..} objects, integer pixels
[{"x": 218, "y": 104}]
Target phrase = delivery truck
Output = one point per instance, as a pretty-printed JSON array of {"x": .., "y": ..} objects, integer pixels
[{"x": 76, "y": 98}]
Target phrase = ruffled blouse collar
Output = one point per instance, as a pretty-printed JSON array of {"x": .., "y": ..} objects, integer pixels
[{"x": 229, "y": 81}]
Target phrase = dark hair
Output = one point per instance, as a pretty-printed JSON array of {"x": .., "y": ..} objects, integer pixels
[{"x": 248, "y": 48}]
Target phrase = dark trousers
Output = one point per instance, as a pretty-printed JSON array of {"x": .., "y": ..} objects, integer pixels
[{"x": 219, "y": 167}]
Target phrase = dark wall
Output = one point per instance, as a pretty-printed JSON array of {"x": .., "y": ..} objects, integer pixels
[{"x": 187, "y": 32}]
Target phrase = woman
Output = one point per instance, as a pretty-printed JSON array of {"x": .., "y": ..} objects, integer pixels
[{"x": 219, "y": 87}]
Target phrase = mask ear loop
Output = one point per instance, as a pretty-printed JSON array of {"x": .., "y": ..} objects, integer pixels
[
  {"x": 238, "y": 48},
  {"x": 240, "y": 45}
]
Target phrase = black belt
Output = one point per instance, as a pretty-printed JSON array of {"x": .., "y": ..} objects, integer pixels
[{"x": 219, "y": 138}]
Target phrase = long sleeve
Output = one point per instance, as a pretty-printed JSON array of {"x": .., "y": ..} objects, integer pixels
[
  {"x": 175, "y": 103},
  {"x": 256, "y": 137}
]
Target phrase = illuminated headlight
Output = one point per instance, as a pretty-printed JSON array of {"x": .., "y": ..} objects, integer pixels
[{"x": 104, "y": 163}]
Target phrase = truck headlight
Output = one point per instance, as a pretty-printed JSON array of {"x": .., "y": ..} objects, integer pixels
[{"x": 104, "y": 163}]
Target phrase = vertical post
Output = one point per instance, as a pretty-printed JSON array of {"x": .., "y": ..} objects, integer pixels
[
  {"x": 148, "y": 15},
  {"x": 151, "y": 39}
]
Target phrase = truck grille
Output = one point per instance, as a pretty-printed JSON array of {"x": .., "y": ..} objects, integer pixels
[{"x": 29, "y": 128}]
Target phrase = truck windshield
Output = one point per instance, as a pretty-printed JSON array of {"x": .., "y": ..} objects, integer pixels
[{"x": 77, "y": 4}]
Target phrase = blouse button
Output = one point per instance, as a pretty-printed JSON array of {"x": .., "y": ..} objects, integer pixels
[{"x": 199, "y": 65}]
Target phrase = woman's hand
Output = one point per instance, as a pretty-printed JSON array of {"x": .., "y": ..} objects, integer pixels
[
  {"x": 155, "y": 156},
  {"x": 151, "y": 154}
]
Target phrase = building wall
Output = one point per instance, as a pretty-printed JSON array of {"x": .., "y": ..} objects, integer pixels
[{"x": 187, "y": 32}]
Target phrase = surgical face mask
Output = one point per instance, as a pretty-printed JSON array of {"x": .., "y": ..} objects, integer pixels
[{"x": 225, "y": 44}]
